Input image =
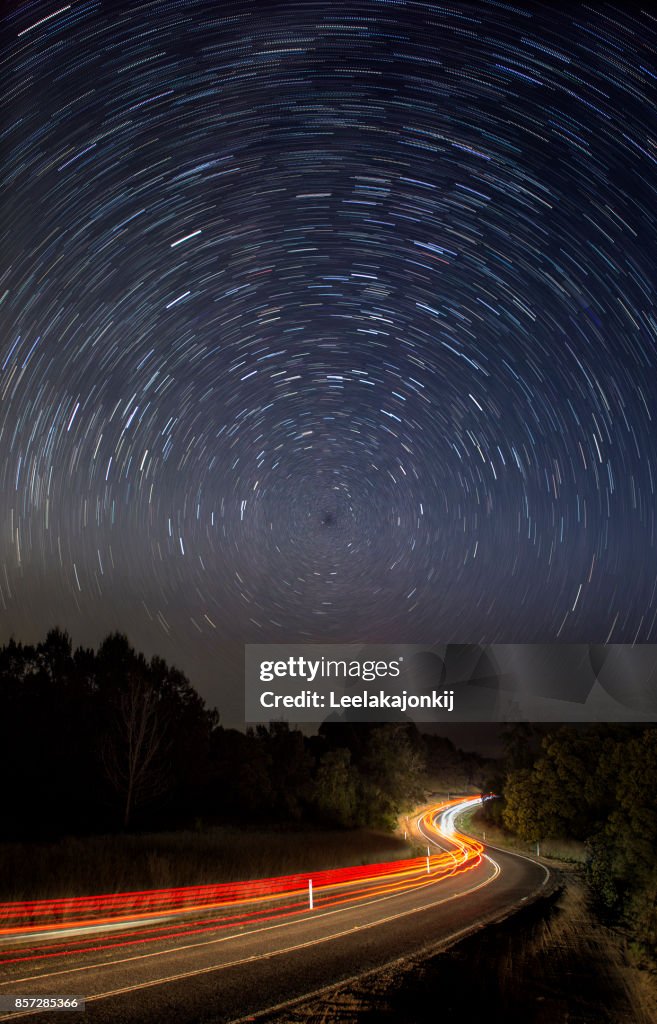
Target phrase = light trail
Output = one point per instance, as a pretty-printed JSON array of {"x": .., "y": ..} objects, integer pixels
[{"x": 43, "y": 929}]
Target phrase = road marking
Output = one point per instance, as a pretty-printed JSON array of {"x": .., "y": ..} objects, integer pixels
[
  {"x": 428, "y": 951},
  {"x": 512, "y": 853},
  {"x": 298, "y": 946},
  {"x": 445, "y": 943},
  {"x": 249, "y": 959},
  {"x": 224, "y": 938}
]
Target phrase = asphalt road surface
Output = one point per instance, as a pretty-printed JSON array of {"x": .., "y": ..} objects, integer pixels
[{"x": 217, "y": 967}]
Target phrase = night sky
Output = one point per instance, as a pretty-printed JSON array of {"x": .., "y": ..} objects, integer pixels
[{"x": 328, "y": 321}]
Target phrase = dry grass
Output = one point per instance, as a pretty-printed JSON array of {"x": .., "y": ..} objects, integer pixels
[
  {"x": 568, "y": 850},
  {"x": 106, "y": 864},
  {"x": 549, "y": 963}
]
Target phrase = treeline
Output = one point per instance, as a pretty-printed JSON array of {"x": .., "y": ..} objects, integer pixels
[
  {"x": 95, "y": 741},
  {"x": 597, "y": 784}
]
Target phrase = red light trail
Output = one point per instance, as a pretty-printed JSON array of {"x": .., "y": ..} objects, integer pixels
[{"x": 44, "y": 929}]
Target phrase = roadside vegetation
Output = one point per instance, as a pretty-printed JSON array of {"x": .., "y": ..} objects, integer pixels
[
  {"x": 94, "y": 865},
  {"x": 123, "y": 778},
  {"x": 593, "y": 788},
  {"x": 548, "y": 963},
  {"x": 477, "y": 822},
  {"x": 107, "y": 741}
]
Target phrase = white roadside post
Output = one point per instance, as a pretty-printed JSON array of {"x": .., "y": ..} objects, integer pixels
[
  {"x": 428, "y": 855},
  {"x": 310, "y": 893}
]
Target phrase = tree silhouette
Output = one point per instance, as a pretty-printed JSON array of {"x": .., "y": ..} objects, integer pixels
[{"x": 136, "y": 744}]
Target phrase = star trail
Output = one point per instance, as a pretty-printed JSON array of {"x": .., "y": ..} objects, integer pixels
[{"x": 328, "y": 321}]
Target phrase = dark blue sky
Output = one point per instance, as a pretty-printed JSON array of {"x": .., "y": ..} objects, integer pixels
[{"x": 328, "y": 321}]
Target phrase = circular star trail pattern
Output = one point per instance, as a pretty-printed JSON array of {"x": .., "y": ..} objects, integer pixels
[{"x": 329, "y": 321}]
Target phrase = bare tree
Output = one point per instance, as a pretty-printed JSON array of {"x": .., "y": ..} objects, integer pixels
[{"x": 134, "y": 751}]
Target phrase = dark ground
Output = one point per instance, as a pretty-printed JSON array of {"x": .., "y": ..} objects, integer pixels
[{"x": 551, "y": 963}]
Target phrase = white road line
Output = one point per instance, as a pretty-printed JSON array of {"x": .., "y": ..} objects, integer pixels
[
  {"x": 249, "y": 959},
  {"x": 211, "y": 942},
  {"x": 288, "y": 949}
]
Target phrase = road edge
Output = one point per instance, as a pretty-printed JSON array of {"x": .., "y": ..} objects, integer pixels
[{"x": 547, "y": 891}]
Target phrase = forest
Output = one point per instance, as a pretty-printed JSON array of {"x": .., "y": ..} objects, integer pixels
[
  {"x": 597, "y": 784},
  {"x": 108, "y": 741}
]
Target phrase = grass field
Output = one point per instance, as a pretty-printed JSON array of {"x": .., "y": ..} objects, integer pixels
[
  {"x": 106, "y": 864},
  {"x": 568, "y": 850}
]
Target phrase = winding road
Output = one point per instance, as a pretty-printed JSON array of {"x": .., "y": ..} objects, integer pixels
[{"x": 230, "y": 952}]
